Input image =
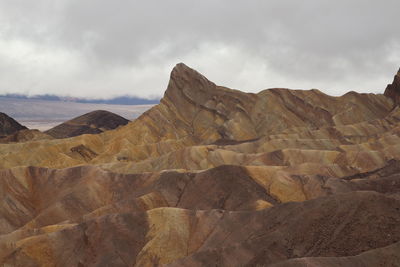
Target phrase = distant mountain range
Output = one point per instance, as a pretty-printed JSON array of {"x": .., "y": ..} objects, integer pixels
[
  {"x": 42, "y": 114},
  {"x": 121, "y": 100}
]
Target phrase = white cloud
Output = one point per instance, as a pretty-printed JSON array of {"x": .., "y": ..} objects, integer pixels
[{"x": 105, "y": 48}]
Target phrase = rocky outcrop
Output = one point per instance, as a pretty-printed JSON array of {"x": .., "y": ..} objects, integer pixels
[
  {"x": 393, "y": 89},
  {"x": 94, "y": 122},
  {"x": 8, "y": 125}
]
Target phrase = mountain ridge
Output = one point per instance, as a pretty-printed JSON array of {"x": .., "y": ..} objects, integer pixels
[
  {"x": 8, "y": 125},
  {"x": 94, "y": 122},
  {"x": 393, "y": 89},
  {"x": 212, "y": 176}
]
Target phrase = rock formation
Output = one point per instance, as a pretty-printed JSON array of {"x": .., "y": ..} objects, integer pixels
[
  {"x": 91, "y": 123},
  {"x": 212, "y": 177},
  {"x": 8, "y": 125},
  {"x": 393, "y": 90}
]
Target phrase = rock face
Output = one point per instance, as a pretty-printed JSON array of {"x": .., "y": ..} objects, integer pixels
[
  {"x": 212, "y": 177},
  {"x": 393, "y": 90},
  {"x": 91, "y": 123},
  {"x": 8, "y": 125}
]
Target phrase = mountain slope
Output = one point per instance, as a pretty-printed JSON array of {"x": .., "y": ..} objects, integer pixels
[
  {"x": 393, "y": 89},
  {"x": 91, "y": 123},
  {"x": 143, "y": 227},
  {"x": 65, "y": 202},
  {"x": 8, "y": 125}
]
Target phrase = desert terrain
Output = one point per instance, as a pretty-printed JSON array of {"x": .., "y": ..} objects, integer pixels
[{"x": 210, "y": 176}]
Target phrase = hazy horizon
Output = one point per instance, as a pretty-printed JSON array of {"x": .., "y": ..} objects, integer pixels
[{"x": 44, "y": 114}]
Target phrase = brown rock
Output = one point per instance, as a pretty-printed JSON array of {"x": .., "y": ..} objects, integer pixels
[
  {"x": 91, "y": 123},
  {"x": 393, "y": 90},
  {"x": 8, "y": 125}
]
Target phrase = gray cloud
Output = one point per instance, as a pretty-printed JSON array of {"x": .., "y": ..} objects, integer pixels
[{"x": 107, "y": 48}]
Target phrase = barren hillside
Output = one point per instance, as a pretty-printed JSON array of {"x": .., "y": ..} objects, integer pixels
[{"x": 213, "y": 177}]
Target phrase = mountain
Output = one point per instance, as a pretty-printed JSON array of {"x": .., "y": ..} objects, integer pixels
[
  {"x": 13, "y": 132},
  {"x": 91, "y": 123},
  {"x": 8, "y": 125},
  {"x": 393, "y": 89},
  {"x": 212, "y": 177},
  {"x": 274, "y": 127},
  {"x": 44, "y": 114}
]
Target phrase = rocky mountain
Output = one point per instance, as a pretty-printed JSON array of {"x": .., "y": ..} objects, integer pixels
[
  {"x": 212, "y": 177},
  {"x": 393, "y": 89},
  {"x": 91, "y": 123},
  {"x": 45, "y": 114},
  {"x": 8, "y": 125},
  {"x": 13, "y": 132}
]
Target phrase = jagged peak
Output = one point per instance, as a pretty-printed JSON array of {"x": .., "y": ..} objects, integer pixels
[
  {"x": 184, "y": 73},
  {"x": 393, "y": 89},
  {"x": 187, "y": 83},
  {"x": 183, "y": 68}
]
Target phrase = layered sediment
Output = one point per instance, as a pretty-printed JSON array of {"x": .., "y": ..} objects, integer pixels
[{"x": 212, "y": 177}]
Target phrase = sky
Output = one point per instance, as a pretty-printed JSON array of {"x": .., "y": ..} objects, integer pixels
[{"x": 104, "y": 49}]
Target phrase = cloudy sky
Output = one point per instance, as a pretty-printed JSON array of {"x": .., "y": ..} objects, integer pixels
[{"x": 103, "y": 48}]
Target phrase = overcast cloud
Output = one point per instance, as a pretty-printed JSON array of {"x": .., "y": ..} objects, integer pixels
[{"x": 103, "y": 48}]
